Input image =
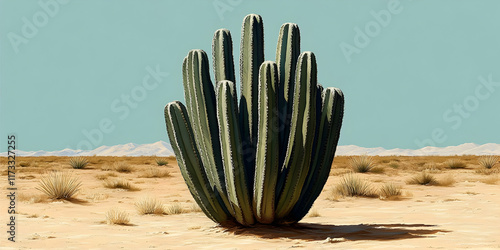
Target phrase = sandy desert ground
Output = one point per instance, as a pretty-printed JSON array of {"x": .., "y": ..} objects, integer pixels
[{"x": 462, "y": 210}]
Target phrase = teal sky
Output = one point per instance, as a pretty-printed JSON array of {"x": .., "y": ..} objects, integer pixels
[{"x": 410, "y": 80}]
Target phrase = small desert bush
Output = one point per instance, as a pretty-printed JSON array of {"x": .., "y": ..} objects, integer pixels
[
  {"x": 390, "y": 191},
  {"x": 195, "y": 208},
  {"x": 78, "y": 162},
  {"x": 488, "y": 161},
  {"x": 154, "y": 172},
  {"x": 491, "y": 180},
  {"x": 446, "y": 181},
  {"x": 24, "y": 164},
  {"x": 117, "y": 217},
  {"x": 149, "y": 205},
  {"x": 314, "y": 213},
  {"x": 423, "y": 178},
  {"x": 123, "y": 167},
  {"x": 175, "y": 208},
  {"x": 361, "y": 164},
  {"x": 119, "y": 183},
  {"x": 59, "y": 185},
  {"x": 352, "y": 185},
  {"x": 161, "y": 161},
  {"x": 455, "y": 164},
  {"x": 31, "y": 198},
  {"x": 394, "y": 165}
]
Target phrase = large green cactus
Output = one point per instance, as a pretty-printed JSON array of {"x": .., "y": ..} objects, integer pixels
[{"x": 267, "y": 159}]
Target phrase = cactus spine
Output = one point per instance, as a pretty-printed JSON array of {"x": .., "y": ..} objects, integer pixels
[{"x": 267, "y": 159}]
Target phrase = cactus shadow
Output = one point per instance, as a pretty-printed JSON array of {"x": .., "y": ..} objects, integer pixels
[{"x": 338, "y": 233}]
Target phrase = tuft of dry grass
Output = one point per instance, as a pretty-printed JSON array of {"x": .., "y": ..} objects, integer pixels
[
  {"x": 120, "y": 183},
  {"x": 352, "y": 185},
  {"x": 123, "y": 167},
  {"x": 455, "y": 164},
  {"x": 390, "y": 191},
  {"x": 195, "y": 208},
  {"x": 161, "y": 161},
  {"x": 491, "y": 180},
  {"x": 24, "y": 164},
  {"x": 149, "y": 205},
  {"x": 314, "y": 213},
  {"x": 154, "y": 172},
  {"x": 423, "y": 178},
  {"x": 175, "y": 208},
  {"x": 31, "y": 198},
  {"x": 446, "y": 181},
  {"x": 117, "y": 217},
  {"x": 95, "y": 197},
  {"x": 78, "y": 162},
  {"x": 488, "y": 161},
  {"x": 59, "y": 185},
  {"x": 361, "y": 164}
]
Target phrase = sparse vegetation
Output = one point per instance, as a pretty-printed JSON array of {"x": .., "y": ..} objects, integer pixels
[
  {"x": 361, "y": 164},
  {"x": 195, "y": 208},
  {"x": 161, "y": 161},
  {"x": 149, "y": 205},
  {"x": 59, "y": 185},
  {"x": 175, "y": 208},
  {"x": 314, "y": 213},
  {"x": 446, "y": 181},
  {"x": 352, "y": 185},
  {"x": 31, "y": 198},
  {"x": 155, "y": 172},
  {"x": 423, "y": 178},
  {"x": 455, "y": 164},
  {"x": 491, "y": 180},
  {"x": 390, "y": 191},
  {"x": 78, "y": 162},
  {"x": 488, "y": 161},
  {"x": 120, "y": 183},
  {"x": 117, "y": 217},
  {"x": 123, "y": 167}
]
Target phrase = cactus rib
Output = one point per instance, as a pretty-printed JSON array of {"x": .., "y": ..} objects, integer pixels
[
  {"x": 234, "y": 168},
  {"x": 267, "y": 160}
]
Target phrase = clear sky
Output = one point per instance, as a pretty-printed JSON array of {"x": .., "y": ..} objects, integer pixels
[{"x": 86, "y": 73}]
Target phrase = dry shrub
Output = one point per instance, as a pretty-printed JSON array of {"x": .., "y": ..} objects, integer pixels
[
  {"x": 122, "y": 167},
  {"x": 361, "y": 164},
  {"x": 491, "y": 180},
  {"x": 78, "y": 162},
  {"x": 390, "y": 191},
  {"x": 31, "y": 198},
  {"x": 352, "y": 185},
  {"x": 175, "y": 208},
  {"x": 455, "y": 164},
  {"x": 59, "y": 185},
  {"x": 488, "y": 161},
  {"x": 161, "y": 161},
  {"x": 154, "y": 172},
  {"x": 149, "y": 205},
  {"x": 117, "y": 217},
  {"x": 446, "y": 181},
  {"x": 423, "y": 178},
  {"x": 314, "y": 213},
  {"x": 120, "y": 183},
  {"x": 195, "y": 208}
]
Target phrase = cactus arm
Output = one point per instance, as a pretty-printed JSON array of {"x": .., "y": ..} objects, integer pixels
[
  {"x": 204, "y": 120},
  {"x": 300, "y": 142},
  {"x": 287, "y": 53},
  {"x": 234, "y": 169},
  {"x": 327, "y": 139},
  {"x": 189, "y": 161},
  {"x": 267, "y": 160},
  {"x": 222, "y": 55},
  {"x": 251, "y": 57}
]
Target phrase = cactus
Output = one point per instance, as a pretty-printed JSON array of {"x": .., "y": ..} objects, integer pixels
[{"x": 267, "y": 159}]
